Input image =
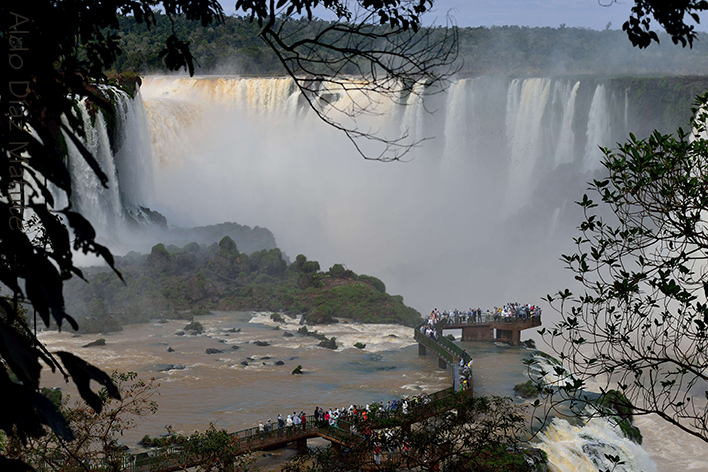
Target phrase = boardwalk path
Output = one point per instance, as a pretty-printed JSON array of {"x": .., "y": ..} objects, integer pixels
[{"x": 173, "y": 458}]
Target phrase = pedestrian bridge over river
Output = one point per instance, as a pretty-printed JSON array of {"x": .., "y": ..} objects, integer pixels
[
  {"x": 483, "y": 328},
  {"x": 342, "y": 434},
  {"x": 174, "y": 458}
]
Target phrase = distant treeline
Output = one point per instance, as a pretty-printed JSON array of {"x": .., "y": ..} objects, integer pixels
[
  {"x": 179, "y": 282},
  {"x": 235, "y": 48}
]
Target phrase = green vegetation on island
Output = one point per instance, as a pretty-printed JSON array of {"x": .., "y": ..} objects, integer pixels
[
  {"x": 180, "y": 283},
  {"x": 617, "y": 407},
  {"x": 528, "y": 389},
  {"x": 194, "y": 326}
]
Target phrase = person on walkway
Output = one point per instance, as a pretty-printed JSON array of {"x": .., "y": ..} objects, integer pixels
[
  {"x": 261, "y": 429},
  {"x": 281, "y": 424},
  {"x": 377, "y": 453}
]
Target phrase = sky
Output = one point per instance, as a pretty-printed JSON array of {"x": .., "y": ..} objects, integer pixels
[{"x": 572, "y": 13}]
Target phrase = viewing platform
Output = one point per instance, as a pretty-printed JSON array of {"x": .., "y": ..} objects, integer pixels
[
  {"x": 494, "y": 328},
  {"x": 484, "y": 327}
]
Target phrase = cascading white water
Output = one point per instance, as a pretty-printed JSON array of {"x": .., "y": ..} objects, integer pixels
[
  {"x": 599, "y": 131},
  {"x": 124, "y": 153},
  {"x": 133, "y": 156},
  {"x": 457, "y": 120},
  {"x": 102, "y": 206},
  {"x": 583, "y": 448},
  {"x": 525, "y": 109},
  {"x": 566, "y": 137},
  {"x": 249, "y": 150},
  {"x": 412, "y": 122}
]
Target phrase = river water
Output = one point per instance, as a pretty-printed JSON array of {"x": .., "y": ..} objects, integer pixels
[{"x": 198, "y": 388}]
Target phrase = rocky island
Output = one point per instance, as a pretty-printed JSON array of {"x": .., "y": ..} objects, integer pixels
[{"x": 180, "y": 282}]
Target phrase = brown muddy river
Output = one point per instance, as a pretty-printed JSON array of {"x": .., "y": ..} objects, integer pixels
[{"x": 198, "y": 388}]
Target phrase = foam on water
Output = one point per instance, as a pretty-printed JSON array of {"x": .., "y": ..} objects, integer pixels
[
  {"x": 671, "y": 448},
  {"x": 376, "y": 337},
  {"x": 583, "y": 448}
]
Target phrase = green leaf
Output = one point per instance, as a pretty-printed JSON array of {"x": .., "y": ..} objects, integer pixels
[
  {"x": 51, "y": 416},
  {"x": 20, "y": 356},
  {"x": 82, "y": 373}
]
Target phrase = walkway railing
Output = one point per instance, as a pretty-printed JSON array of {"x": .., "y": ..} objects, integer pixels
[
  {"x": 174, "y": 457},
  {"x": 442, "y": 352},
  {"x": 490, "y": 318},
  {"x": 443, "y": 347}
]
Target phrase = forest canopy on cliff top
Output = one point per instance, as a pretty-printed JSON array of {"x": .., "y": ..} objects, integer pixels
[{"x": 234, "y": 47}]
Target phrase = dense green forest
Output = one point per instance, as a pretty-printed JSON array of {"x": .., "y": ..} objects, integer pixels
[
  {"x": 173, "y": 282},
  {"x": 235, "y": 48}
]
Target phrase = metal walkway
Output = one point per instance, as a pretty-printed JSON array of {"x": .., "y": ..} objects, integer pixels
[{"x": 173, "y": 458}]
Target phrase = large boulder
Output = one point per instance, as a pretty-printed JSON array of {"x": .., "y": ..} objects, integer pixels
[{"x": 98, "y": 342}]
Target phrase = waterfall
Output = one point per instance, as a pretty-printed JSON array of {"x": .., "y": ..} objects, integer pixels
[
  {"x": 526, "y": 105},
  {"x": 170, "y": 122},
  {"x": 133, "y": 155},
  {"x": 566, "y": 136},
  {"x": 412, "y": 121},
  {"x": 123, "y": 151},
  {"x": 599, "y": 132},
  {"x": 506, "y": 154},
  {"x": 101, "y": 206},
  {"x": 457, "y": 120},
  {"x": 494, "y": 188}
]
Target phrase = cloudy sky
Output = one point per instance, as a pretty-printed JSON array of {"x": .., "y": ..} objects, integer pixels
[
  {"x": 583, "y": 13},
  {"x": 580, "y": 13}
]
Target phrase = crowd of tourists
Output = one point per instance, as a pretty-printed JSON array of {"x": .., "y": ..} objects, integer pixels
[
  {"x": 358, "y": 417},
  {"x": 465, "y": 371},
  {"x": 507, "y": 312},
  {"x": 292, "y": 422}
]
